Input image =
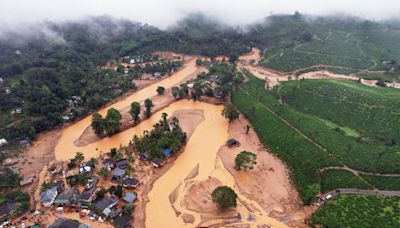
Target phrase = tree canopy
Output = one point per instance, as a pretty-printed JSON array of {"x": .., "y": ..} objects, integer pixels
[
  {"x": 148, "y": 104},
  {"x": 224, "y": 197},
  {"x": 245, "y": 160},
  {"x": 135, "y": 111},
  {"x": 230, "y": 112},
  {"x": 112, "y": 121},
  {"x": 98, "y": 124}
]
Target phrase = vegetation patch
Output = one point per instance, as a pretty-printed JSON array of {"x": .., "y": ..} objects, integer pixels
[
  {"x": 336, "y": 178},
  {"x": 383, "y": 182},
  {"x": 359, "y": 211}
]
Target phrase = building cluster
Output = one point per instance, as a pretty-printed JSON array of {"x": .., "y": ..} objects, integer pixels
[{"x": 92, "y": 200}]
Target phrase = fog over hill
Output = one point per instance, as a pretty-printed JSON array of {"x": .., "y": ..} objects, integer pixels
[{"x": 165, "y": 13}]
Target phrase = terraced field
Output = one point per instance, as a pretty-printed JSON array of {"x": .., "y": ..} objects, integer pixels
[
  {"x": 359, "y": 211},
  {"x": 331, "y": 134}
]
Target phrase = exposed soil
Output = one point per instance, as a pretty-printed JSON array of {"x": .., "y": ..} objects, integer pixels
[{"x": 268, "y": 182}]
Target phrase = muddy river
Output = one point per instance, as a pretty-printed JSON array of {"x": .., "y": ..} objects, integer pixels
[
  {"x": 66, "y": 149},
  {"x": 201, "y": 149}
]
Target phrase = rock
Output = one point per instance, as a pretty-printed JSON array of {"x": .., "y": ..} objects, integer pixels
[
  {"x": 251, "y": 217},
  {"x": 188, "y": 218}
]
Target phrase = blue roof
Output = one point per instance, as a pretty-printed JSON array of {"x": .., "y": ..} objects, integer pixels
[
  {"x": 166, "y": 152},
  {"x": 130, "y": 197},
  {"x": 118, "y": 172}
]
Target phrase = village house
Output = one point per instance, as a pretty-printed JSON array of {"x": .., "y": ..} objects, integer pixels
[
  {"x": 16, "y": 111},
  {"x": 6, "y": 209},
  {"x": 130, "y": 182},
  {"x": 27, "y": 180},
  {"x": 117, "y": 175},
  {"x": 106, "y": 204},
  {"x": 126, "y": 71},
  {"x": 92, "y": 182},
  {"x": 123, "y": 221},
  {"x": 158, "y": 162},
  {"x": 7, "y": 90},
  {"x": 67, "y": 223},
  {"x": 3, "y": 141},
  {"x": 87, "y": 197},
  {"x": 144, "y": 156},
  {"x": 166, "y": 152},
  {"x": 108, "y": 164},
  {"x": 1, "y": 80},
  {"x": 47, "y": 197},
  {"x": 122, "y": 163},
  {"x": 24, "y": 143},
  {"x": 157, "y": 74},
  {"x": 10, "y": 162},
  {"x": 129, "y": 197},
  {"x": 86, "y": 168},
  {"x": 67, "y": 197}
]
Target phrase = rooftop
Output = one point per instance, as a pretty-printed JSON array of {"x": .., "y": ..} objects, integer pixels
[
  {"x": 106, "y": 202},
  {"x": 122, "y": 221},
  {"x": 118, "y": 172},
  {"x": 130, "y": 197},
  {"x": 131, "y": 182}
]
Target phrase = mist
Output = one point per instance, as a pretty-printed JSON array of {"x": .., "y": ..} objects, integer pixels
[{"x": 164, "y": 13}]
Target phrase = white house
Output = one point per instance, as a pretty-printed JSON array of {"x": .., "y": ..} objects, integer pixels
[{"x": 3, "y": 141}]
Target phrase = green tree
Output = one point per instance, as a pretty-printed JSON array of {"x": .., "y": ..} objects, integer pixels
[
  {"x": 224, "y": 197},
  {"x": 175, "y": 92},
  {"x": 104, "y": 172},
  {"x": 135, "y": 111},
  {"x": 93, "y": 161},
  {"x": 149, "y": 105},
  {"x": 79, "y": 157},
  {"x": 112, "y": 121},
  {"x": 160, "y": 90},
  {"x": 101, "y": 193},
  {"x": 245, "y": 160},
  {"x": 128, "y": 209},
  {"x": 199, "y": 62},
  {"x": 230, "y": 112},
  {"x": 119, "y": 191},
  {"x": 97, "y": 124},
  {"x": 311, "y": 192}
]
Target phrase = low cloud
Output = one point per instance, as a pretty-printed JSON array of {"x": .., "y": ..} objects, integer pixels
[{"x": 163, "y": 13}]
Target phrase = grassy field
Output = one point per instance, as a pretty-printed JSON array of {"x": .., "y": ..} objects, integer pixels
[
  {"x": 359, "y": 211},
  {"x": 343, "y": 134}
]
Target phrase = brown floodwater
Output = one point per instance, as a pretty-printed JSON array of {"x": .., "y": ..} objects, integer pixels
[
  {"x": 201, "y": 149},
  {"x": 66, "y": 149}
]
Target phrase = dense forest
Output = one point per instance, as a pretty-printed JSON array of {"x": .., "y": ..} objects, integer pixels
[{"x": 55, "y": 71}]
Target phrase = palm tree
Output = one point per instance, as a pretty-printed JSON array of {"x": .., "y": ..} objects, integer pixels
[{"x": 79, "y": 157}]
